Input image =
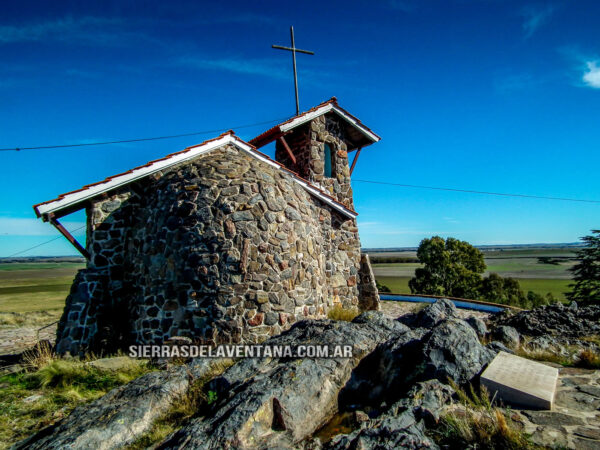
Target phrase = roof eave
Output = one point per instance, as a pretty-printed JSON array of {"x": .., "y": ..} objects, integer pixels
[{"x": 76, "y": 200}]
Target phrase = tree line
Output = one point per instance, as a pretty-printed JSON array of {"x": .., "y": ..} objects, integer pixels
[{"x": 454, "y": 268}]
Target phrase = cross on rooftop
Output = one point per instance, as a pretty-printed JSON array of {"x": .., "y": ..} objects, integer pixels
[{"x": 293, "y": 49}]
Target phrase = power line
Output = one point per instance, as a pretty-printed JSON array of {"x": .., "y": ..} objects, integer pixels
[
  {"x": 471, "y": 191},
  {"x": 155, "y": 138},
  {"x": 415, "y": 186},
  {"x": 43, "y": 243}
]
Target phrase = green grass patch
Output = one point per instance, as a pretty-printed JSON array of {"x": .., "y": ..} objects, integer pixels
[
  {"x": 542, "y": 286},
  {"x": 30, "y": 401},
  {"x": 398, "y": 285}
]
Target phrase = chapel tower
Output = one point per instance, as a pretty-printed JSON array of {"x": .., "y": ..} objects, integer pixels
[{"x": 316, "y": 145}]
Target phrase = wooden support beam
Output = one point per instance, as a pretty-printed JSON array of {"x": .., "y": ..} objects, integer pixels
[
  {"x": 69, "y": 236},
  {"x": 354, "y": 160},
  {"x": 287, "y": 148}
]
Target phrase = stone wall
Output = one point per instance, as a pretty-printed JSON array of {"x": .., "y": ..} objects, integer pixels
[{"x": 222, "y": 249}]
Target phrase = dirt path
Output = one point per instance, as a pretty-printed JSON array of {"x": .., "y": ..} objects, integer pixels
[{"x": 17, "y": 339}]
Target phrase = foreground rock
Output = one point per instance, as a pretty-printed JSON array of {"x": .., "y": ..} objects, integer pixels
[
  {"x": 117, "y": 418},
  {"x": 404, "y": 424},
  {"x": 392, "y": 389},
  {"x": 266, "y": 403},
  {"x": 450, "y": 350}
]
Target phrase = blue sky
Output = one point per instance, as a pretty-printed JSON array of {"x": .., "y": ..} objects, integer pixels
[{"x": 473, "y": 94}]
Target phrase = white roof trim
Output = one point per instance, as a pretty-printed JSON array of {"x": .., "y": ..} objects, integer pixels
[
  {"x": 323, "y": 110},
  {"x": 121, "y": 180}
]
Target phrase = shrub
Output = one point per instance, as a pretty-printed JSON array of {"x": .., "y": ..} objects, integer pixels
[
  {"x": 339, "y": 313},
  {"x": 382, "y": 288}
]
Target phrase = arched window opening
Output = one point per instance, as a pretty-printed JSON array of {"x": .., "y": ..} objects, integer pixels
[{"x": 328, "y": 156}]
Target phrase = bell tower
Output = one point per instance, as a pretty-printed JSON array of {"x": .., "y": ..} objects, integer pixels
[{"x": 316, "y": 145}]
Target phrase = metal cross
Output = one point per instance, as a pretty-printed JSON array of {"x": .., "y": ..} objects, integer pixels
[{"x": 293, "y": 49}]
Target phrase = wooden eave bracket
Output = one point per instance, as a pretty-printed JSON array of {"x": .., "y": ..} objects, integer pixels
[
  {"x": 287, "y": 148},
  {"x": 54, "y": 221},
  {"x": 355, "y": 159}
]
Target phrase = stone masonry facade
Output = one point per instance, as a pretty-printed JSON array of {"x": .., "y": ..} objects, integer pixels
[{"x": 221, "y": 249}]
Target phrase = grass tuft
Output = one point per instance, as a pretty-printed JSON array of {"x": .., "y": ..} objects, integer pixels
[
  {"x": 589, "y": 359},
  {"x": 478, "y": 424},
  {"x": 39, "y": 356},
  {"x": 339, "y": 313}
]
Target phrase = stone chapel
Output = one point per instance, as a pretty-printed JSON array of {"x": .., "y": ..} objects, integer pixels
[{"x": 218, "y": 242}]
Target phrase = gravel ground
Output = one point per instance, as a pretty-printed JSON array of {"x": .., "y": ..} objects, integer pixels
[{"x": 397, "y": 309}]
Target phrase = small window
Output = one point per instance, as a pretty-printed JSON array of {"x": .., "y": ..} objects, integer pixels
[{"x": 328, "y": 161}]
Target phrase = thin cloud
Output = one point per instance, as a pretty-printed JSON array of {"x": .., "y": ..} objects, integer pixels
[
  {"x": 74, "y": 30},
  {"x": 10, "y": 226},
  {"x": 263, "y": 67},
  {"x": 592, "y": 75},
  {"x": 535, "y": 17}
]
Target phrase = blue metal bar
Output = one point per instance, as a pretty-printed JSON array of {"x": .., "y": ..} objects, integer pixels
[{"x": 457, "y": 303}]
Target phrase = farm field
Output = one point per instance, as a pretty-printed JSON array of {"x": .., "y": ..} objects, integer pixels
[
  {"x": 34, "y": 292},
  {"x": 526, "y": 265}
]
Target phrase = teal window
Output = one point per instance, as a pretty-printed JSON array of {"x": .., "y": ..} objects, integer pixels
[{"x": 328, "y": 158}]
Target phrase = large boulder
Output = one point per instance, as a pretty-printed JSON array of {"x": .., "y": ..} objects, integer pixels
[
  {"x": 431, "y": 315},
  {"x": 507, "y": 335},
  {"x": 452, "y": 351},
  {"x": 279, "y": 402},
  {"x": 478, "y": 325},
  {"x": 403, "y": 424}
]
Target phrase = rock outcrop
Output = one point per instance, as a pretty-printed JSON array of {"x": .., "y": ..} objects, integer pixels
[
  {"x": 268, "y": 403},
  {"x": 394, "y": 387},
  {"x": 555, "y": 320}
]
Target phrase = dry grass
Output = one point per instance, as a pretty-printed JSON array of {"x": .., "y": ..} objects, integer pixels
[
  {"x": 478, "y": 424},
  {"x": 547, "y": 355},
  {"x": 339, "y": 313},
  {"x": 39, "y": 356},
  {"x": 589, "y": 359},
  {"x": 594, "y": 339},
  {"x": 30, "y": 319}
]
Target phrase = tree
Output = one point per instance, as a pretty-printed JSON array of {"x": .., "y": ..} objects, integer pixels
[
  {"x": 382, "y": 288},
  {"x": 451, "y": 267},
  {"x": 507, "y": 291},
  {"x": 587, "y": 272}
]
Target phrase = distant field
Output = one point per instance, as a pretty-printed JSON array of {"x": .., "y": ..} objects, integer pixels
[
  {"x": 522, "y": 264},
  {"x": 28, "y": 287},
  {"x": 399, "y": 285}
]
